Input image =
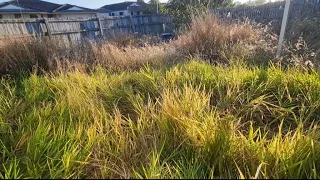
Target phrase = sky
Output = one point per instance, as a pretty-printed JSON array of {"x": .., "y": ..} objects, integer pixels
[{"x": 95, "y": 3}]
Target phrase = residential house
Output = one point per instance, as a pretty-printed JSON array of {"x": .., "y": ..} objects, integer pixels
[
  {"x": 41, "y": 9},
  {"x": 104, "y": 12},
  {"x": 123, "y": 9}
]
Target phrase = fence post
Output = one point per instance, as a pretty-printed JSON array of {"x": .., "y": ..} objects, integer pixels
[
  {"x": 283, "y": 28},
  {"x": 100, "y": 26},
  {"x": 132, "y": 24},
  {"x": 48, "y": 28}
]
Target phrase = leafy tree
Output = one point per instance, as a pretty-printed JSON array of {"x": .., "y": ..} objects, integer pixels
[
  {"x": 153, "y": 6},
  {"x": 182, "y": 11},
  {"x": 256, "y": 2}
]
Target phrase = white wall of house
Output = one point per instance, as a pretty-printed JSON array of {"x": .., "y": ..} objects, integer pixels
[
  {"x": 103, "y": 15},
  {"x": 7, "y": 16},
  {"x": 136, "y": 13},
  {"x": 125, "y": 13},
  {"x": 117, "y": 13}
]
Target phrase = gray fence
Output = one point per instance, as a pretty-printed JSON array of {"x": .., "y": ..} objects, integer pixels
[
  {"x": 77, "y": 29},
  {"x": 270, "y": 11}
]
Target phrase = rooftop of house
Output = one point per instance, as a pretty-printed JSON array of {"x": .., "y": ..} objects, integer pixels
[
  {"x": 40, "y": 6},
  {"x": 125, "y": 5},
  {"x": 73, "y": 8},
  {"x": 103, "y": 10}
]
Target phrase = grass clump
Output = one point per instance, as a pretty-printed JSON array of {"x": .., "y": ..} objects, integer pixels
[
  {"x": 192, "y": 120},
  {"x": 217, "y": 41}
]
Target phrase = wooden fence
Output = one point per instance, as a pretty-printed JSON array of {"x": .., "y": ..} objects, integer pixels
[
  {"x": 77, "y": 29},
  {"x": 270, "y": 11}
]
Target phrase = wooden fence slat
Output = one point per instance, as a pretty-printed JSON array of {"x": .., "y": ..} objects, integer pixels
[
  {"x": 76, "y": 29},
  {"x": 49, "y": 33}
]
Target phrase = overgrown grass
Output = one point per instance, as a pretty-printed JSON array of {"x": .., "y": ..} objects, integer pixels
[
  {"x": 208, "y": 38},
  {"x": 193, "y": 120},
  {"x": 218, "y": 41},
  {"x": 132, "y": 110},
  {"x": 51, "y": 55}
]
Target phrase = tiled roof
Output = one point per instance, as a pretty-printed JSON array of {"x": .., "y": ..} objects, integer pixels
[
  {"x": 66, "y": 7},
  {"x": 103, "y": 10},
  {"x": 41, "y": 6},
  {"x": 36, "y": 4},
  {"x": 123, "y": 6}
]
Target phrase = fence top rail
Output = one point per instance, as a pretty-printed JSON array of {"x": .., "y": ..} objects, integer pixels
[
  {"x": 20, "y": 21},
  {"x": 57, "y": 20},
  {"x": 143, "y": 15},
  {"x": 70, "y": 20}
]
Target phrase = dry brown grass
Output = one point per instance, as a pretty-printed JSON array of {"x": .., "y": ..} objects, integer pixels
[
  {"x": 42, "y": 54},
  {"x": 111, "y": 56},
  {"x": 208, "y": 38},
  {"x": 217, "y": 41}
]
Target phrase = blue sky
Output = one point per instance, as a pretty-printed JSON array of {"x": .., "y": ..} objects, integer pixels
[{"x": 94, "y": 3}]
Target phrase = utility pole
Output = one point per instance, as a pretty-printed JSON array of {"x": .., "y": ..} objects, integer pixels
[
  {"x": 283, "y": 28},
  {"x": 157, "y": 7}
]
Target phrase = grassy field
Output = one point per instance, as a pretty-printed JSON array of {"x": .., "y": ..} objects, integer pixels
[
  {"x": 213, "y": 103},
  {"x": 191, "y": 120}
]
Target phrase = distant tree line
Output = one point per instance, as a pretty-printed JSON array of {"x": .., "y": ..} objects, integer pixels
[
  {"x": 254, "y": 2},
  {"x": 182, "y": 11}
]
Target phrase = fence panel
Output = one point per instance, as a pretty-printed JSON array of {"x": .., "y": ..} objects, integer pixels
[
  {"x": 270, "y": 11},
  {"x": 77, "y": 29}
]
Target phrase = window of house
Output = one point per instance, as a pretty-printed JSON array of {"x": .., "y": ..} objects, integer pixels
[
  {"x": 138, "y": 13},
  {"x": 1, "y": 16},
  {"x": 17, "y": 16},
  {"x": 50, "y": 16},
  {"x": 33, "y": 16},
  {"x": 112, "y": 14},
  {"x": 131, "y": 13},
  {"x": 121, "y": 13}
]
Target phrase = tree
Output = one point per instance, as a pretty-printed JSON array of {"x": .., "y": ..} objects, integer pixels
[
  {"x": 256, "y": 2},
  {"x": 182, "y": 11},
  {"x": 155, "y": 6}
]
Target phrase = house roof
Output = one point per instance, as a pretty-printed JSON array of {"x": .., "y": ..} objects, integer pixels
[
  {"x": 5, "y": 7},
  {"x": 125, "y": 5},
  {"x": 73, "y": 8},
  {"x": 14, "y": 9},
  {"x": 103, "y": 10},
  {"x": 41, "y": 6}
]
